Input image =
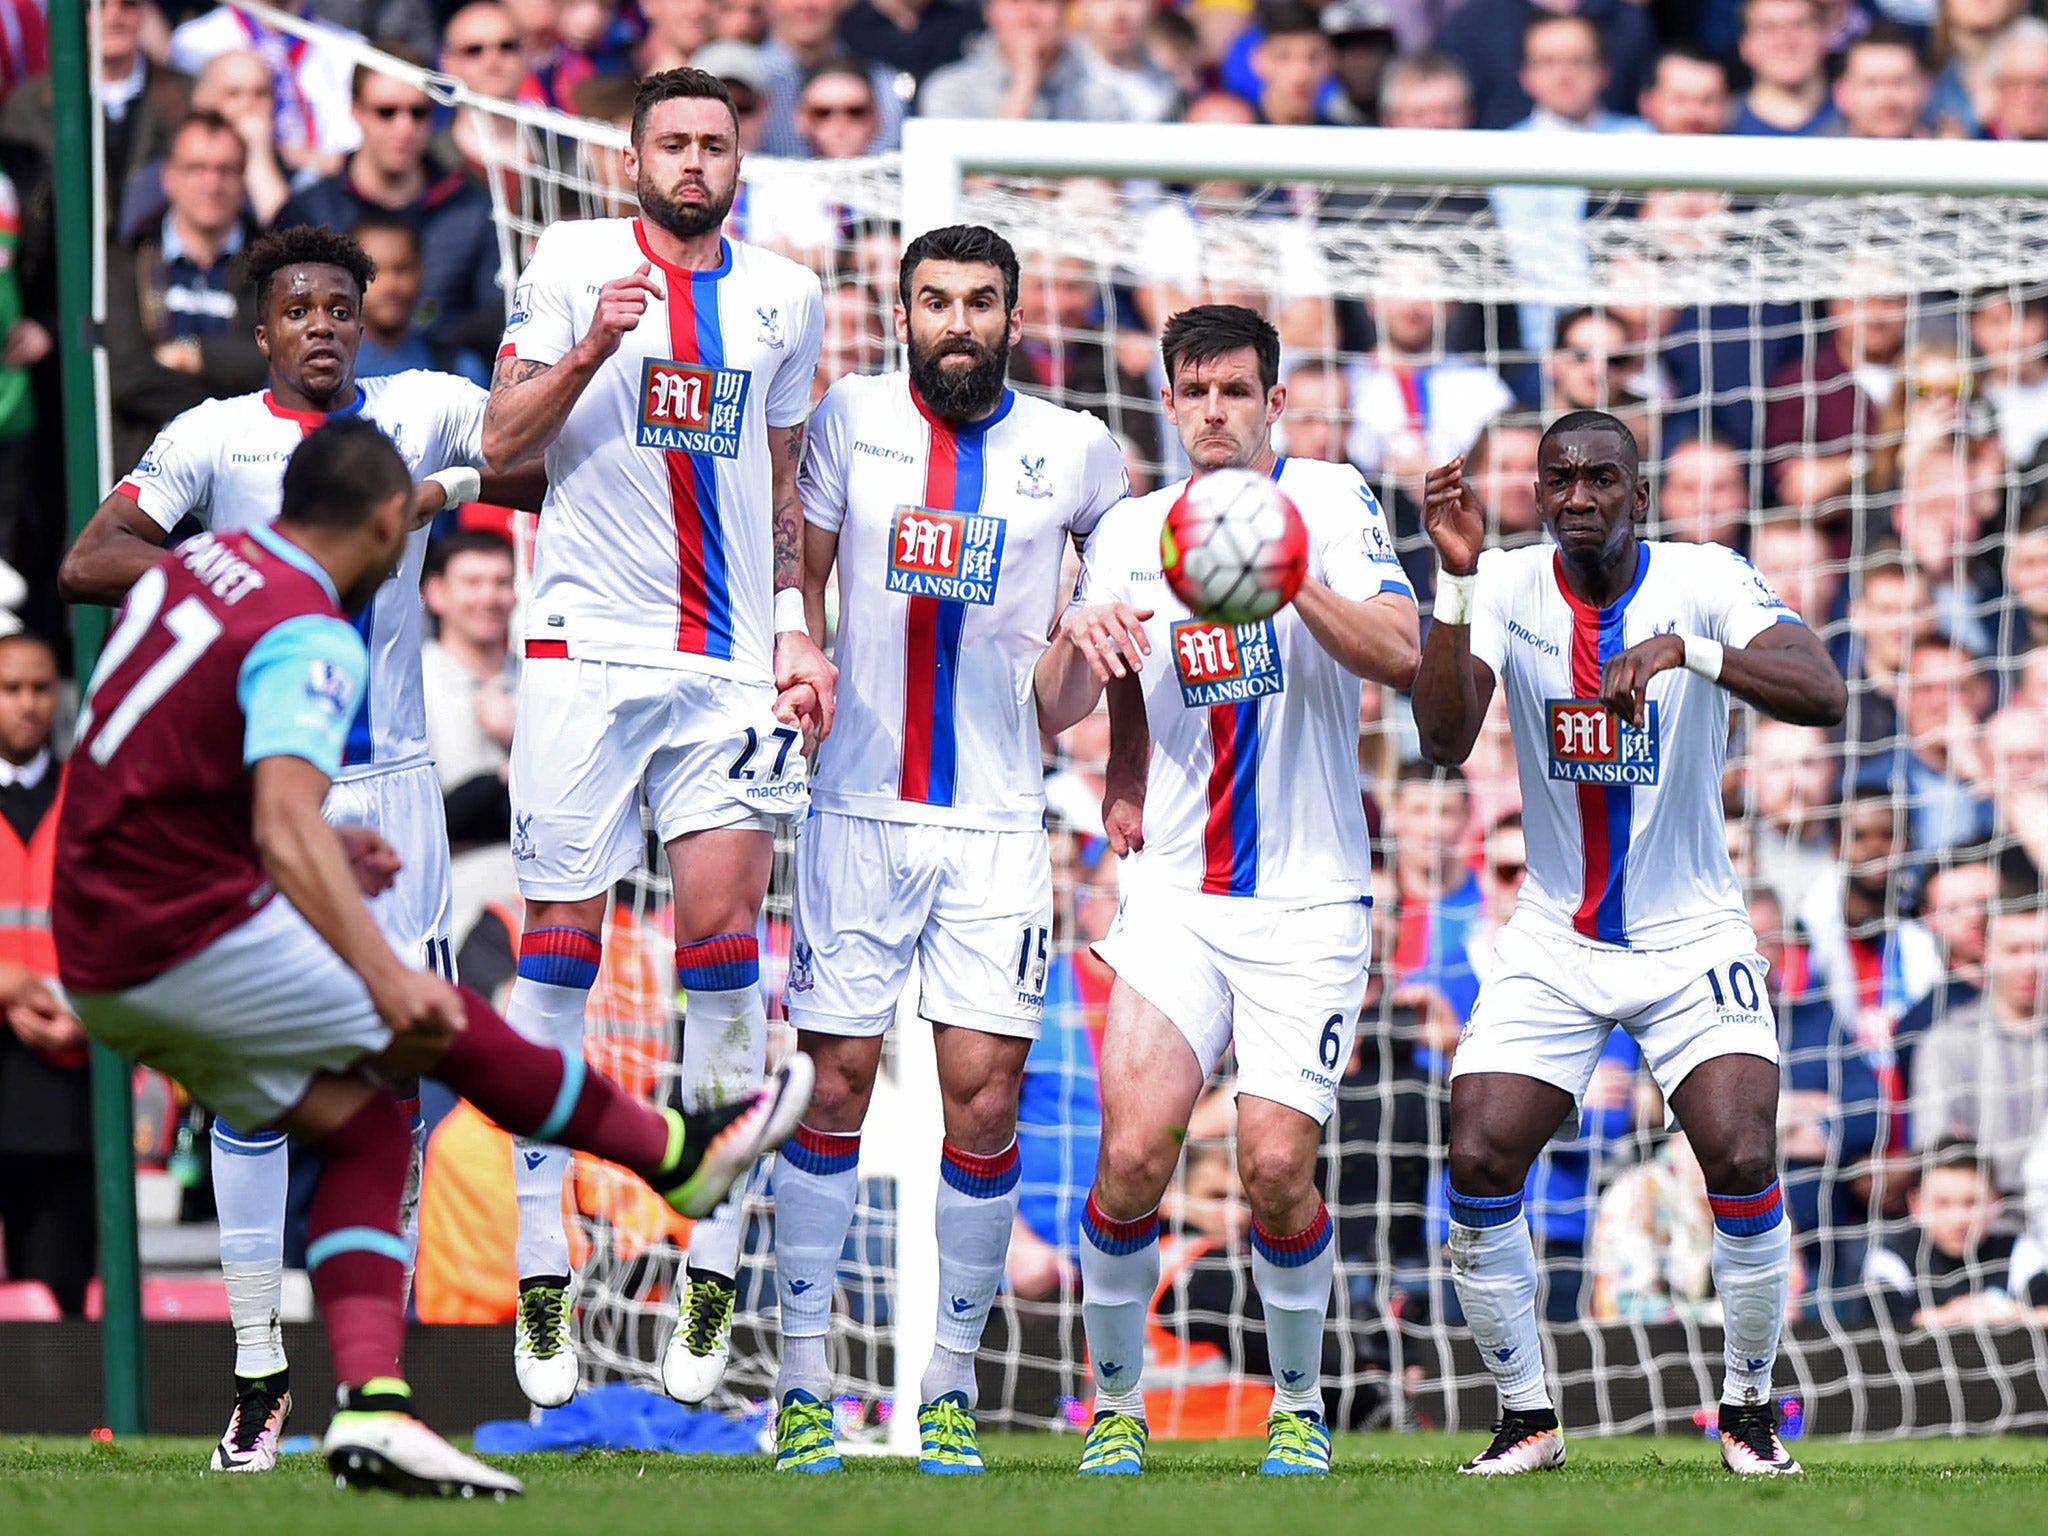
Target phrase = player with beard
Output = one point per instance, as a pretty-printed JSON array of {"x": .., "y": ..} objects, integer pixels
[
  {"x": 663, "y": 373},
  {"x": 947, "y": 503}
]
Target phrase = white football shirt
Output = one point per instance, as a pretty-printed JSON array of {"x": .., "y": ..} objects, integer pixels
[
  {"x": 222, "y": 462},
  {"x": 1252, "y": 788},
  {"x": 656, "y": 543},
  {"x": 951, "y": 539},
  {"x": 1626, "y": 844}
]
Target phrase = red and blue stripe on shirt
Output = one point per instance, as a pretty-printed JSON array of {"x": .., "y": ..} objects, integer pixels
[
  {"x": 703, "y": 585},
  {"x": 1606, "y": 811}
]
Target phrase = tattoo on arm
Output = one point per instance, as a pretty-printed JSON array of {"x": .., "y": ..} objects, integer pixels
[
  {"x": 509, "y": 373},
  {"x": 788, "y": 519}
]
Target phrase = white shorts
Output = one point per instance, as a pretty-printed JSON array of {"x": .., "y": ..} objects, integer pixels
[
  {"x": 1284, "y": 983},
  {"x": 707, "y": 751},
  {"x": 417, "y": 915},
  {"x": 245, "y": 1023},
  {"x": 1546, "y": 1010},
  {"x": 973, "y": 908}
]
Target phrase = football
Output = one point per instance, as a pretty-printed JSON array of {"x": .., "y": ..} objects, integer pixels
[{"x": 1234, "y": 548}]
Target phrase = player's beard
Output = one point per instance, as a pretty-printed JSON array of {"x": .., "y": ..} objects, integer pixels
[
  {"x": 961, "y": 394},
  {"x": 686, "y": 221}
]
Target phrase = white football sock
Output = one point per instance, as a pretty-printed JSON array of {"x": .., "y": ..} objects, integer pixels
[
  {"x": 1119, "y": 1273},
  {"x": 251, "y": 1174},
  {"x": 1493, "y": 1266},
  {"x": 724, "y": 1054},
  {"x": 1753, "y": 1277},
  {"x": 557, "y": 967},
  {"x": 977, "y": 1207},
  {"x": 1293, "y": 1274},
  {"x": 816, "y": 1184}
]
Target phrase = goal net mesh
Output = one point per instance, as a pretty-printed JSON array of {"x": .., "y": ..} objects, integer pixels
[{"x": 1848, "y": 387}]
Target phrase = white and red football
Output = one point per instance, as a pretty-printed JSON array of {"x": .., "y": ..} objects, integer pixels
[{"x": 1234, "y": 548}]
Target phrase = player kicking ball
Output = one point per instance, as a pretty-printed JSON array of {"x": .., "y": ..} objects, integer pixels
[
  {"x": 664, "y": 374},
  {"x": 1618, "y": 657},
  {"x": 208, "y": 922},
  {"x": 1246, "y": 874},
  {"x": 948, "y": 502},
  {"x": 222, "y": 463}
]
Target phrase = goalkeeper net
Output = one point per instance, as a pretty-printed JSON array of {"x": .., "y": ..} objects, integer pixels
[{"x": 1850, "y": 385}]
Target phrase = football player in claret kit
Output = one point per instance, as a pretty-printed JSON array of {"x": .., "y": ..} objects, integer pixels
[
  {"x": 947, "y": 501},
  {"x": 222, "y": 464},
  {"x": 1246, "y": 877},
  {"x": 1618, "y": 657},
  {"x": 208, "y": 923},
  {"x": 663, "y": 373}
]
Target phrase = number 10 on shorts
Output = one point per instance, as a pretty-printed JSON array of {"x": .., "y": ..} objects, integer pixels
[{"x": 1742, "y": 987}]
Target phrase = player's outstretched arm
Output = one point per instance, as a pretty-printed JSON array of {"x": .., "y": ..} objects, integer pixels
[
  {"x": 531, "y": 399},
  {"x": 1092, "y": 644},
  {"x": 1130, "y": 758},
  {"x": 1452, "y": 686},
  {"x": 113, "y": 549},
  {"x": 1785, "y": 672},
  {"x": 1375, "y": 638}
]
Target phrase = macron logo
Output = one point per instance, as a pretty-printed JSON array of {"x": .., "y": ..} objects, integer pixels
[
  {"x": 962, "y": 1304},
  {"x": 1528, "y": 637},
  {"x": 798, "y": 1287},
  {"x": 534, "y": 1157}
]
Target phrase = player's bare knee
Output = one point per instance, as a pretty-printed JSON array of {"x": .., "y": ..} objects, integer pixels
[
  {"x": 1481, "y": 1166},
  {"x": 845, "y": 1084},
  {"x": 1131, "y": 1174},
  {"x": 1746, "y": 1163},
  {"x": 1277, "y": 1178}
]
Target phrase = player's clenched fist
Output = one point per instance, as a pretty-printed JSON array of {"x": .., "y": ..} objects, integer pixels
[
  {"x": 418, "y": 1003},
  {"x": 1455, "y": 520},
  {"x": 1625, "y": 683},
  {"x": 372, "y": 860},
  {"x": 620, "y": 304},
  {"x": 1110, "y": 635}
]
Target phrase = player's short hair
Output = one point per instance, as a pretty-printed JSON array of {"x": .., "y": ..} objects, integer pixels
[
  {"x": 1210, "y": 331},
  {"x": 685, "y": 84},
  {"x": 341, "y": 474},
  {"x": 1595, "y": 421},
  {"x": 305, "y": 245},
  {"x": 464, "y": 541},
  {"x": 968, "y": 244}
]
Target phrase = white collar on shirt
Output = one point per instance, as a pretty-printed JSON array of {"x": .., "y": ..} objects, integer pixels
[{"x": 29, "y": 774}]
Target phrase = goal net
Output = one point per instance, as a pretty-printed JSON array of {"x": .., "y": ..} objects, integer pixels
[{"x": 1850, "y": 382}]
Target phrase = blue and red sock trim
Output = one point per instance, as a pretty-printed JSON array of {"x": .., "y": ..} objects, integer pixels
[
  {"x": 822, "y": 1154},
  {"x": 725, "y": 962},
  {"x": 1748, "y": 1215},
  {"x": 985, "y": 1177},
  {"x": 1115, "y": 1237},
  {"x": 1485, "y": 1210},
  {"x": 560, "y": 957},
  {"x": 1293, "y": 1249}
]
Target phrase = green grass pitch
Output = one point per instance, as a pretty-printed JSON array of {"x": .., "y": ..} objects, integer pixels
[{"x": 1400, "y": 1485}]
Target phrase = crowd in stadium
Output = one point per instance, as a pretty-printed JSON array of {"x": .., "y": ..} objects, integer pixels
[{"x": 1882, "y": 464}]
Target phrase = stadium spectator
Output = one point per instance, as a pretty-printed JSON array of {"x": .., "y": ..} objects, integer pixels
[
  {"x": 1883, "y": 88},
  {"x": 1796, "y": 556},
  {"x": 461, "y": 301},
  {"x": 837, "y": 111},
  {"x": 47, "y": 1202},
  {"x": 2018, "y": 70},
  {"x": 1653, "y": 1235},
  {"x": 1951, "y": 1268},
  {"x": 1435, "y": 889},
  {"x": 853, "y": 335},
  {"x": 1363, "y": 40},
  {"x": 1890, "y": 612},
  {"x": 1501, "y": 466},
  {"x": 1931, "y": 767},
  {"x": 744, "y": 69},
  {"x": 392, "y": 343},
  {"x": 1790, "y": 774},
  {"x": 1960, "y": 45},
  {"x": 1824, "y": 407},
  {"x": 676, "y": 30},
  {"x": 1427, "y": 88},
  {"x": 803, "y": 34},
  {"x": 1172, "y": 43},
  {"x": 744, "y": 21},
  {"x": 1025, "y": 65},
  {"x": 180, "y": 317},
  {"x": 1589, "y": 369},
  {"x": 482, "y": 48},
  {"x": 1687, "y": 93},
  {"x": 1111, "y": 37},
  {"x": 1785, "y": 45},
  {"x": 24, "y": 42},
  {"x": 141, "y": 101},
  {"x": 1291, "y": 62},
  {"x": 561, "y": 48},
  {"x": 310, "y": 80},
  {"x": 1068, "y": 352},
  {"x": 1416, "y": 406},
  {"x": 1956, "y": 907},
  {"x": 1981, "y": 1073},
  {"x": 1486, "y": 36},
  {"x": 469, "y": 675},
  {"x": 1939, "y": 519},
  {"x": 236, "y": 86},
  {"x": 1703, "y": 495},
  {"x": 2015, "y": 777},
  {"x": 2023, "y": 624},
  {"x": 912, "y": 37},
  {"x": 2009, "y": 333},
  {"x": 1503, "y": 865},
  {"x": 1318, "y": 423}
]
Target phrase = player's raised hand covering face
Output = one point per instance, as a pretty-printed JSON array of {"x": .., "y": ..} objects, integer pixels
[
  {"x": 959, "y": 329},
  {"x": 685, "y": 165},
  {"x": 1223, "y": 410},
  {"x": 310, "y": 331}
]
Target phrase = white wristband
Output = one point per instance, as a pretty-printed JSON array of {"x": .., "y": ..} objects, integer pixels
[
  {"x": 459, "y": 483},
  {"x": 1703, "y": 657},
  {"x": 1453, "y": 598},
  {"x": 789, "y": 611}
]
